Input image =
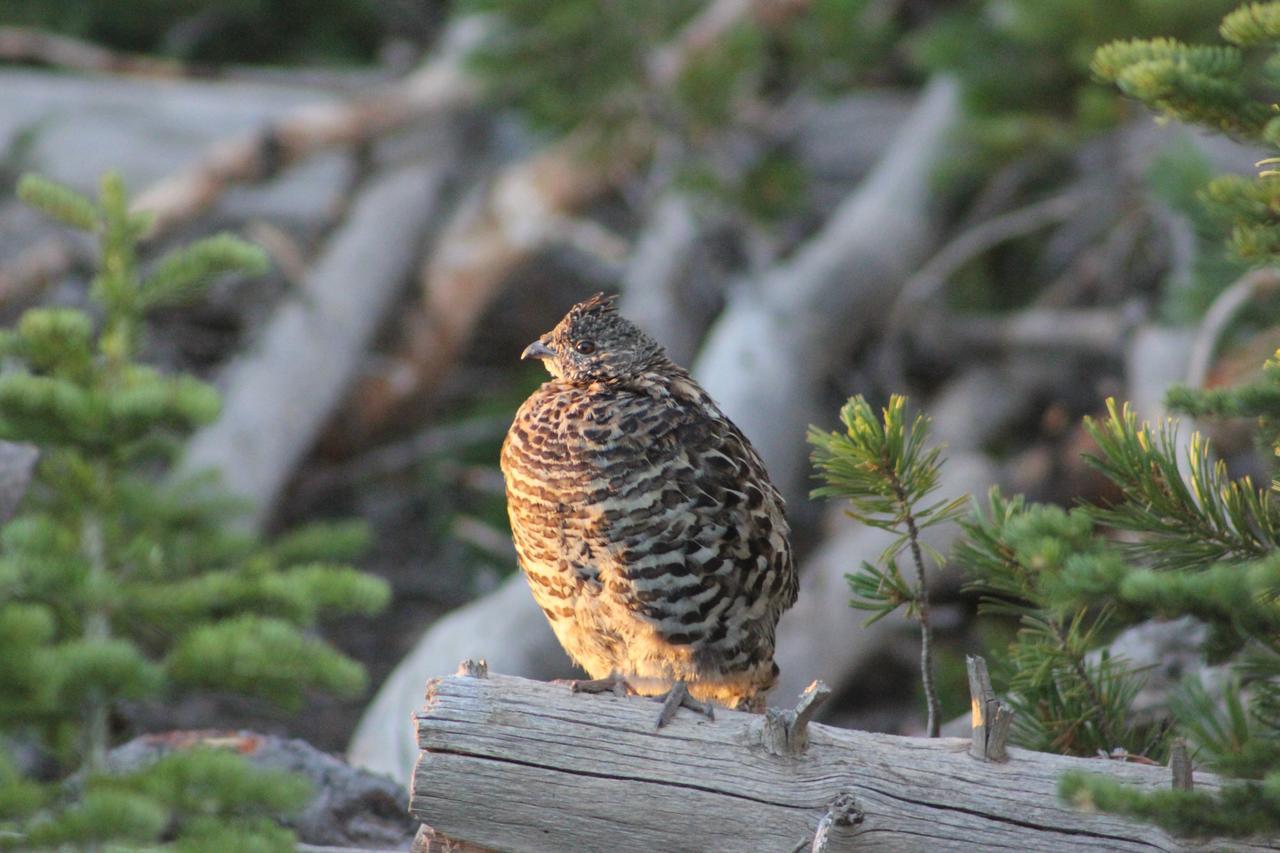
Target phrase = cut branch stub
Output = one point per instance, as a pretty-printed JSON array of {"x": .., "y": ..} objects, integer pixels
[
  {"x": 474, "y": 667},
  {"x": 787, "y": 732},
  {"x": 991, "y": 717},
  {"x": 429, "y": 841},
  {"x": 1180, "y": 764}
]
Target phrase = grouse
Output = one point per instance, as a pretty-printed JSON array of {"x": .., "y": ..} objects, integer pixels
[{"x": 644, "y": 521}]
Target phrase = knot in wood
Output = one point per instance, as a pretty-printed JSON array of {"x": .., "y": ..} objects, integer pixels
[
  {"x": 844, "y": 810},
  {"x": 842, "y": 813}
]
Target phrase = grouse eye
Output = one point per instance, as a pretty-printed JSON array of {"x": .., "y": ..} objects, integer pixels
[{"x": 585, "y": 347}]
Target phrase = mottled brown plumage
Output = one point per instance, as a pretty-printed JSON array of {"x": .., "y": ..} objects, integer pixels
[{"x": 644, "y": 519}]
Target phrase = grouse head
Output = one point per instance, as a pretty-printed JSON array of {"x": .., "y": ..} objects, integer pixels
[{"x": 594, "y": 343}]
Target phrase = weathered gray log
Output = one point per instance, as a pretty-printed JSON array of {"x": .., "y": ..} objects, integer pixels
[
  {"x": 256, "y": 149},
  {"x": 1059, "y": 331},
  {"x": 505, "y": 627},
  {"x": 519, "y": 765},
  {"x": 280, "y": 394},
  {"x": 675, "y": 258},
  {"x": 786, "y": 331}
]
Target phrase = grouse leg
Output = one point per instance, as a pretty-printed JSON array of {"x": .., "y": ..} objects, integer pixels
[{"x": 679, "y": 697}]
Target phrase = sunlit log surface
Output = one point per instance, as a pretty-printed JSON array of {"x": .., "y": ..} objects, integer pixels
[{"x": 512, "y": 764}]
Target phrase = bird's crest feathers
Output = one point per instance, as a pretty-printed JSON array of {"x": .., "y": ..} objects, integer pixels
[{"x": 601, "y": 303}]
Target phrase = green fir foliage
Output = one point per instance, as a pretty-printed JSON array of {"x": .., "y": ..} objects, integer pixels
[
  {"x": 1236, "y": 809},
  {"x": 1066, "y": 699},
  {"x": 198, "y": 797},
  {"x": 1228, "y": 88},
  {"x": 1185, "y": 522},
  {"x": 1194, "y": 542},
  {"x": 884, "y": 467},
  {"x": 1180, "y": 176},
  {"x": 1050, "y": 101},
  {"x": 1181, "y": 539},
  {"x": 120, "y": 582}
]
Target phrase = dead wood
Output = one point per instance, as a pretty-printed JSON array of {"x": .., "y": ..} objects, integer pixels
[
  {"x": 283, "y": 390},
  {"x": 525, "y": 209},
  {"x": 1098, "y": 332},
  {"x": 784, "y": 332},
  {"x": 440, "y": 85},
  {"x": 26, "y": 44},
  {"x": 514, "y": 764},
  {"x": 1250, "y": 286},
  {"x": 652, "y": 284}
]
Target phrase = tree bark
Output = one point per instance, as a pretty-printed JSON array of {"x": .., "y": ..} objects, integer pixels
[{"x": 513, "y": 764}]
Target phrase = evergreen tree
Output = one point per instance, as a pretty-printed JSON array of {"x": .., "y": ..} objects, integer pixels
[
  {"x": 1050, "y": 104},
  {"x": 1230, "y": 88},
  {"x": 1209, "y": 544},
  {"x": 1065, "y": 699},
  {"x": 1174, "y": 544},
  {"x": 120, "y": 583},
  {"x": 1205, "y": 545}
]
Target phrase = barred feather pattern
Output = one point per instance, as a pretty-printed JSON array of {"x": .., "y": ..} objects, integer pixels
[{"x": 646, "y": 524}]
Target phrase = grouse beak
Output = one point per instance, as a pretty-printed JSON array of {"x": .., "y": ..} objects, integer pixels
[{"x": 538, "y": 350}]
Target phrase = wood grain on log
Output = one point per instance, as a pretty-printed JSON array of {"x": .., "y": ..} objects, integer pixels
[{"x": 521, "y": 765}]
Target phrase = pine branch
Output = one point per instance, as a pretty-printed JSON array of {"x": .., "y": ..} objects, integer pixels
[
  {"x": 934, "y": 720},
  {"x": 1221, "y": 87},
  {"x": 1234, "y": 810},
  {"x": 1253, "y": 24},
  {"x": 1204, "y": 518},
  {"x": 884, "y": 470}
]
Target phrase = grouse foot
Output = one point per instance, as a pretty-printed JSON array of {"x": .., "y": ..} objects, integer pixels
[
  {"x": 679, "y": 697},
  {"x": 613, "y": 684}
]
